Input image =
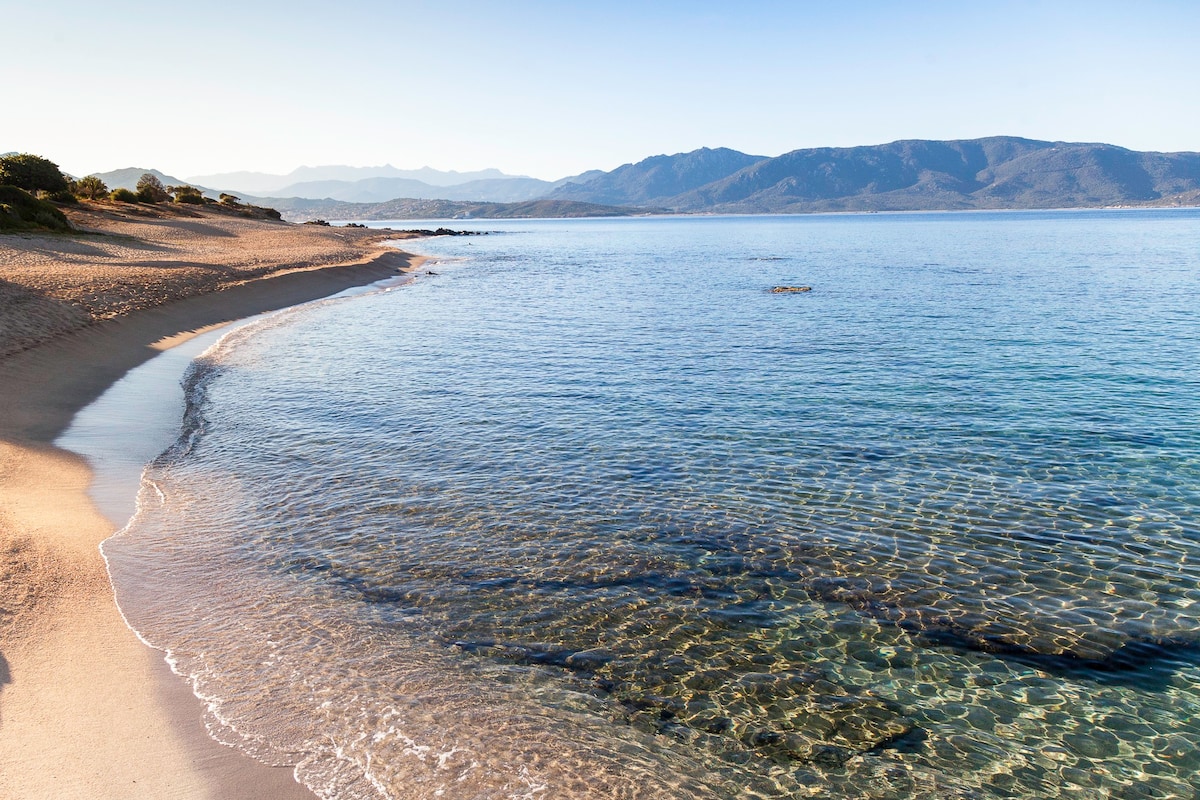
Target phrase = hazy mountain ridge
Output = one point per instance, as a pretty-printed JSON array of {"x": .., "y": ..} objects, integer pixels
[
  {"x": 267, "y": 183},
  {"x": 300, "y": 209},
  {"x": 996, "y": 172},
  {"x": 378, "y": 190},
  {"x": 658, "y": 178},
  {"x": 914, "y": 174}
]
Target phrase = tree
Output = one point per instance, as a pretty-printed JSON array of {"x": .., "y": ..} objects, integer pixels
[
  {"x": 186, "y": 194},
  {"x": 90, "y": 187},
  {"x": 31, "y": 173},
  {"x": 151, "y": 190}
]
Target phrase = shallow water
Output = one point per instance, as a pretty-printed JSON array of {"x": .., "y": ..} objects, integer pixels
[{"x": 591, "y": 512}]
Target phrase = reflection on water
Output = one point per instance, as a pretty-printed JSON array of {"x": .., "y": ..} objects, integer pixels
[{"x": 593, "y": 513}]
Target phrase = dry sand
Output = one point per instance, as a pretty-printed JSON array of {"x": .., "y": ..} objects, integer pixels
[
  {"x": 131, "y": 256},
  {"x": 87, "y": 710}
]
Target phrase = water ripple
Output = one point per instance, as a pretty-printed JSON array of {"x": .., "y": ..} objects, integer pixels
[{"x": 592, "y": 514}]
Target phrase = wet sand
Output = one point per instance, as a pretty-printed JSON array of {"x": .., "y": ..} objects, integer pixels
[{"x": 86, "y": 709}]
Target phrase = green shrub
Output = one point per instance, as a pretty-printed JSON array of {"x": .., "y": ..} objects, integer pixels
[
  {"x": 186, "y": 194},
  {"x": 229, "y": 200},
  {"x": 31, "y": 173},
  {"x": 151, "y": 190},
  {"x": 21, "y": 211},
  {"x": 124, "y": 196},
  {"x": 90, "y": 187}
]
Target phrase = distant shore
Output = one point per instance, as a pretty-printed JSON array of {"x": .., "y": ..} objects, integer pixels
[{"x": 87, "y": 710}]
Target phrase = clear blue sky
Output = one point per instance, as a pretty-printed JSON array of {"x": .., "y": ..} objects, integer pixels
[{"x": 550, "y": 89}]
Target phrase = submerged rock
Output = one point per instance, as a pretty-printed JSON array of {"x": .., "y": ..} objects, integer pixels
[{"x": 795, "y": 716}]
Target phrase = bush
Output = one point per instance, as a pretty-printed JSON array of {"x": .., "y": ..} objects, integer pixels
[
  {"x": 19, "y": 211},
  {"x": 186, "y": 194},
  {"x": 229, "y": 200},
  {"x": 151, "y": 190},
  {"x": 90, "y": 187},
  {"x": 32, "y": 173},
  {"x": 124, "y": 196},
  {"x": 65, "y": 196}
]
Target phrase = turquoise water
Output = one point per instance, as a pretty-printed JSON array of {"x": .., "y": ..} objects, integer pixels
[{"x": 591, "y": 512}]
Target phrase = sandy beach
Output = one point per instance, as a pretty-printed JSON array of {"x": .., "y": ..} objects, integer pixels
[{"x": 86, "y": 709}]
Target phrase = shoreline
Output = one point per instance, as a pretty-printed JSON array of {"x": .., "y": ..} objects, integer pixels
[{"x": 86, "y": 708}]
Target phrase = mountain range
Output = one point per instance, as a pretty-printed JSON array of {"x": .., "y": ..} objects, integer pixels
[
  {"x": 657, "y": 180},
  {"x": 379, "y": 189},
  {"x": 379, "y": 184},
  {"x": 262, "y": 183},
  {"x": 991, "y": 173},
  {"x": 996, "y": 172}
]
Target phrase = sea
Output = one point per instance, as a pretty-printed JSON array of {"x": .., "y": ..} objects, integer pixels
[{"x": 587, "y": 510}]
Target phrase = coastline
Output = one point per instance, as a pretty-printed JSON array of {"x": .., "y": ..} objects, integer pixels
[{"x": 86, "y": 709}]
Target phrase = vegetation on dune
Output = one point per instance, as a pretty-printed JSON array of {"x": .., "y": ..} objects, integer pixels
[
  {"x": 90, "y": 188},
  {"x": 32, "y": 173},
  {"x": 33, "y": 184},
  {"x": 24, "y": 176},
  {"x": 187, "y": 194},
  {"x": 151, "y": 190},
  {"x": 21, "y": 211},
  {"x": 261, "y": 212}
]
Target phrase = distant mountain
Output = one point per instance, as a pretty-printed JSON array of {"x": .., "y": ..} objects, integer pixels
[
  {"x": 127, "y": 178},
  {"x": 377, "y": 190},
  {"x": 366, "y": 190},
  {"x": 282, "y": 185},
  {"x": 433, "y": 177},
  {"x": 246, "y": 182},
  {"x": 653, "y": 180},
  {"x": 506, "y": 190},
  {"x": 996, "y": 172},
  {"x": 298, "y": 209},
  {"x": 583, "y": 177}
]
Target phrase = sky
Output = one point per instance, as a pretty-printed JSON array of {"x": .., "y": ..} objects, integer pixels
[{"x": 551, "y": 89}]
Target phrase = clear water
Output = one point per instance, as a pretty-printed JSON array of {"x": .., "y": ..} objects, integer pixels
[{"x": 593, "y": 513}]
